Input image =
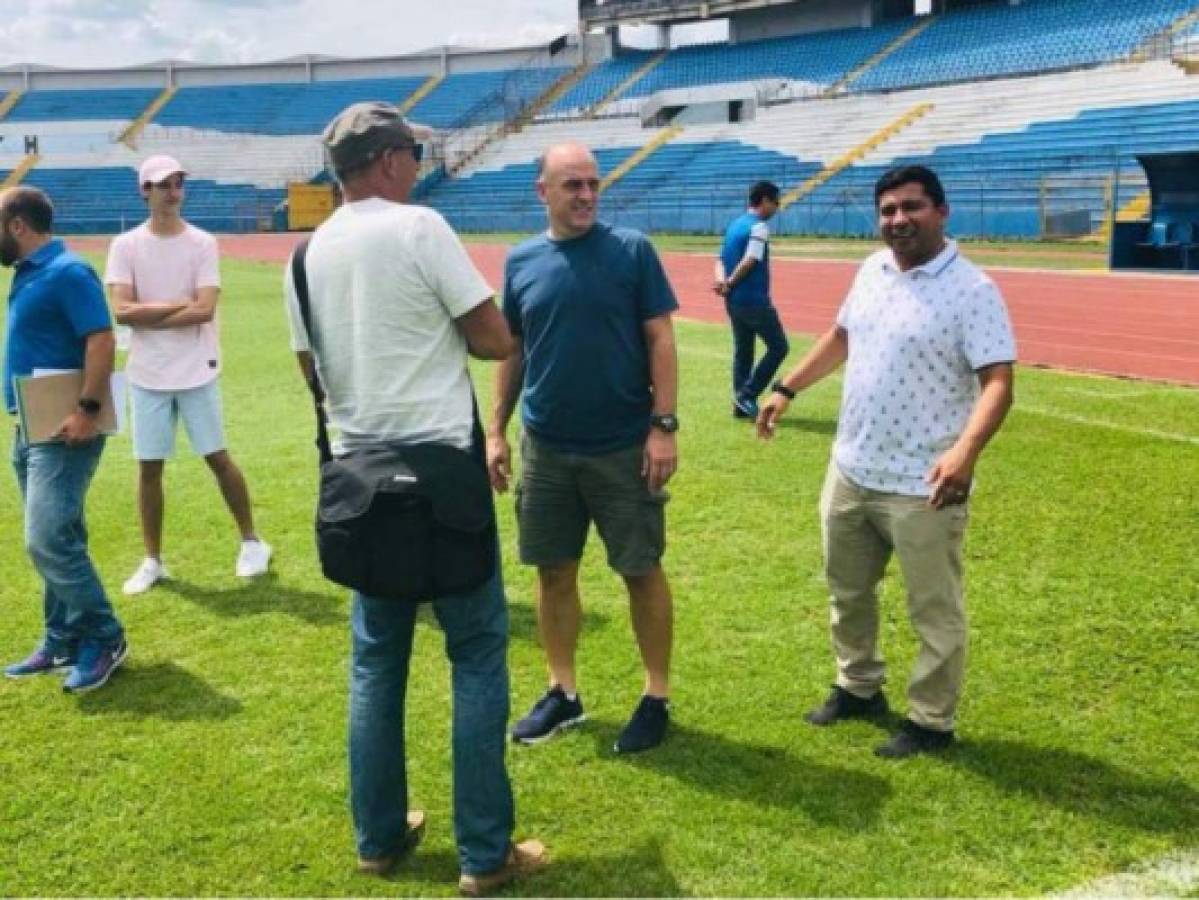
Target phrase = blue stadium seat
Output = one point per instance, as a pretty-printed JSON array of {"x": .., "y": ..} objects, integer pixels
[
  {"x": 118, "y": 104},
  {"x": 1035, "y": 36}
]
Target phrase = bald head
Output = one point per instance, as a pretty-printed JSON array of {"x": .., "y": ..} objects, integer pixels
[{"x": 568, "y": 184}]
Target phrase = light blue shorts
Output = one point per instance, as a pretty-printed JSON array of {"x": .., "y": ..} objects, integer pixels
[{"x": 157, "y": 413}]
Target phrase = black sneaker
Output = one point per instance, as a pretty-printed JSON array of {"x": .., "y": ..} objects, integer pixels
[
  {"x": 912, "y": 739},
  {"x": 549, "y": 715},
  {"x": 841, "y": 704},
  {"x": 647, "y": 728}
]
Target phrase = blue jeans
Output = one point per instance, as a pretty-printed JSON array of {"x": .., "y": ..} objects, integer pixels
[
  {"x": 54, "y": 479},
  {"x": 476, "y": 641},
  {"x": 749, "y": 323}
]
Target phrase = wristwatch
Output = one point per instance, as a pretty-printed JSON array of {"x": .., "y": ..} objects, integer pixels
[
  {"x": 89, "y": 407},
  {"x": 667, "y": 422}
]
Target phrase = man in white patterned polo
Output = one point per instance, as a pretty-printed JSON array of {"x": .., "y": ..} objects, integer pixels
[{"x": 929, "y": 352}]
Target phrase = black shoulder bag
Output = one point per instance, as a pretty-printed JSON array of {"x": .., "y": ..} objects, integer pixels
[{"x": 408, "y": 522}]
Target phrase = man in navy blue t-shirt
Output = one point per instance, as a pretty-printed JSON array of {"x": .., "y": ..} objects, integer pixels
[
  {"x": 743, "y": 279},
  {"x": 57, "y": 319},
  {"x": 590, "y": 308}
]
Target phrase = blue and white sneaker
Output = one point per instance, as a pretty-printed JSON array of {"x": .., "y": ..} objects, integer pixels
[
  {"x": 552, "y": 713},
  {"x": 745, "y": 408},
  {"x": 96, "y": 664},
  {"x": 41, "y": 661}
]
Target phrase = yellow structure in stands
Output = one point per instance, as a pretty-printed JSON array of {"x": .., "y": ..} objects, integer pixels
[
  {"x": 905, "y": 38},
  {"x": 663, "y": 137},
  {"x": 615, "y": 93},
  {"x": 17, "y": 175},
  {"x": 10, "y": 100},
  {"x": 420, "y": 93},
  {"x": 129, "y": 136},
  {"x": 881, "y": 136},
  {"x": 309, "y": 204}
]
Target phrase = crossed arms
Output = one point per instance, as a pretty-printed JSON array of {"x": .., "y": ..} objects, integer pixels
[{"x": 127, "y": 310}]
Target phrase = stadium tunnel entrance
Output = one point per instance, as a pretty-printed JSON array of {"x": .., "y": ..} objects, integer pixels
[{"x": 1169, "y": 238}]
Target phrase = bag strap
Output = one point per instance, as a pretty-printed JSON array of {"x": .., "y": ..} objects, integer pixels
[{"x": 299, "y": 278}]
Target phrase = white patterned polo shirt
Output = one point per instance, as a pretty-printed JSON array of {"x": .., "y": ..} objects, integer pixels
[{"x": 916, "y": 340}]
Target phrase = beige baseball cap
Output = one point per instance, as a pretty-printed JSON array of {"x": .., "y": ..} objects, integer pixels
[{"x": 361, "y": 132}]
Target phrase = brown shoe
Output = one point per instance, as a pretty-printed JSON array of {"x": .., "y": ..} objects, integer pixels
[
  {"x": 523, "y": 859},
  {"x": 382, "y": 865}
]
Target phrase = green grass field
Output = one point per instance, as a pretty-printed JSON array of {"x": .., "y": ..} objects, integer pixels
[
  {"x": 1050, "y": 254},
  {"x": 214, "y": 762}
]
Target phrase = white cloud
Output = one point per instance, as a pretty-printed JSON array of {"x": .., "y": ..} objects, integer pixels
[{"x": 113, "y": 33}]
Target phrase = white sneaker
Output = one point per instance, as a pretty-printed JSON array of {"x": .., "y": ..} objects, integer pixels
[
  {"x": 149, "y": 573},
  {"x": 253, "y": 559}
]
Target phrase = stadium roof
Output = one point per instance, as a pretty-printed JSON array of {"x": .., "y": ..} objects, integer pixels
[{"x": 603, "y": 13}]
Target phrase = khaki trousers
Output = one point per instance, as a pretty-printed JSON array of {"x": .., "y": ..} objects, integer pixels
[{"x": 861, "y": 530}]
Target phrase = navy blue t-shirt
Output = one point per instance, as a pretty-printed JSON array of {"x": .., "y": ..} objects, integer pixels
[
  {"x": 754, "y": 288},
  {"x": 579, "y": 307},
  {"x": 55, "y": 302}
]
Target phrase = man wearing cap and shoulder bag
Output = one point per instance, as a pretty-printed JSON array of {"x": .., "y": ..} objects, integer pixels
[
  {"x": 164, "y": 281},
  {"x": 394, "y": 307}
]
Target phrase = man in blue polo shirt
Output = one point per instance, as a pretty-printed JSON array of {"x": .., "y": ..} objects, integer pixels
[
  {"x": 590, "y": 308},
  {"x": 743, "y": 280},
  {"x": 57, "y": 319}
]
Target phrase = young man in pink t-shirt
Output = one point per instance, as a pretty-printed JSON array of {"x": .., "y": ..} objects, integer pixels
[{"x": 164, "y": 281}]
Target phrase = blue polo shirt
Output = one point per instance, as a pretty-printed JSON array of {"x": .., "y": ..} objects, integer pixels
[
  {"x": 580, "y": 307},
  {"x": 754, "y": 288},
  {"x": 55, "y": 302}
]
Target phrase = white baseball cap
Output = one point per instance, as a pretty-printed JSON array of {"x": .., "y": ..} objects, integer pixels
[{"x": 158, "y": 169}]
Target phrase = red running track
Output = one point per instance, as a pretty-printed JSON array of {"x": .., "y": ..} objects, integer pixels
[{"x": 1142, "y": 326}]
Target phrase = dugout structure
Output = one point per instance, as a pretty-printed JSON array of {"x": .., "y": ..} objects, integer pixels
[{"x": 1169, "y": 238}]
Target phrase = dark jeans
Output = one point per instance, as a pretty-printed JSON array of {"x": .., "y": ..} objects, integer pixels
[
  {"x": 54, "y": 479},
  {"x": 476, "y": 641},
  {"x": 749, "y": 323}
]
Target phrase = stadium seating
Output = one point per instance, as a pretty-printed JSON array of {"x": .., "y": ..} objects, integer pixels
[
  {"x": 492, "y": 96},
  {"x": 1028, "y": 111},
  {"x": 119, "y": 104},
  {"x": 105, "y": 201},
  {"x": 297, "y": 108},
  {"x": 1036, "y": 36},
  {"x": 598, "y": 83},
  {"x": 817, "y": 60},
  {"x": 1010, "y": 151}
]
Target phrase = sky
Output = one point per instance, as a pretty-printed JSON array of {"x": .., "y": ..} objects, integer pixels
[{"x": 115, "y": 33}]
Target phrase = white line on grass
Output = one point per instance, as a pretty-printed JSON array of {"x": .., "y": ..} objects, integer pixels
[
  {"x": 1175, "y": 875},
  {"x": 1036, "y": 410},
  {"x": 1111, "y": 426}
]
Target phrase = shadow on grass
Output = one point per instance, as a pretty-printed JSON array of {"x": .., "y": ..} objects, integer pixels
[
  {"x": 1084, "y": 784},
  {"x": 812, "y": 426},
  {"x": 260, "y": 596},
  {"x": 767, "y": 776},
  {"x": 162, "y": 691},
  {"x": 522, "y": 621},
  {"x": 636, "y": 872}
]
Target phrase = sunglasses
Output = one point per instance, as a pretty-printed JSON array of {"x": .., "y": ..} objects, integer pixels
[{"x": 418, "y": 150}]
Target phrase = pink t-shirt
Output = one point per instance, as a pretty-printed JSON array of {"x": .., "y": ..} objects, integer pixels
[{"x": 162, "y": 269}]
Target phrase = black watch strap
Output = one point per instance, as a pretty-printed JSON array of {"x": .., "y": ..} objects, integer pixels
[
  {"x": 779, "y": 388},
  {"x": 89, "y": 406},
  {"x": 667, "y": 422}
]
